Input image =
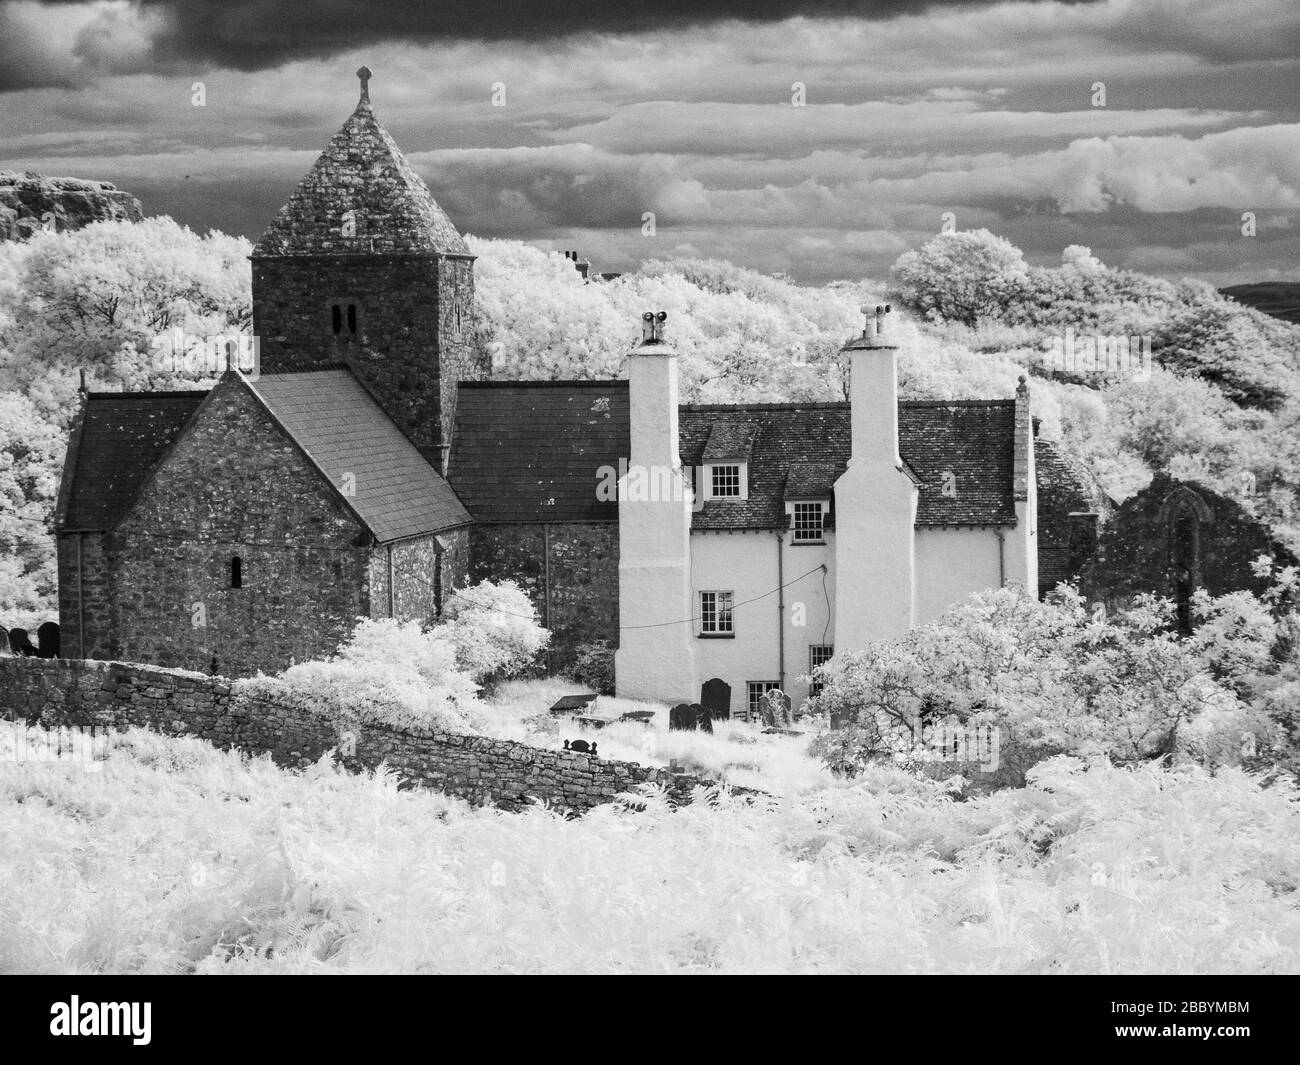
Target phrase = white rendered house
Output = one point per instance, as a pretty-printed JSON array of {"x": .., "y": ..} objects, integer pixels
[{"x": 814, "y": 527}]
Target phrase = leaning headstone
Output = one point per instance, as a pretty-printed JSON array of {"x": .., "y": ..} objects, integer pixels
[
  {"x": 774, "y": 708},
  {"x": 703, "y": 717},
  {"x": 47, "y": 638},
  {"x": 681, "y": 716},
  {"x": 716, "y": 695},
  {"x": 20, "y": 643}
]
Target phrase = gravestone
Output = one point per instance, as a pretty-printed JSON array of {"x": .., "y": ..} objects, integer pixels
[
  {"x": 703, "y": 717},
  {"x": 715, "y": 694},
  {"x": 774, "y": 708},
  {"x": 47, "y": 638},
  {"x": 681, "y": 716},
  {"x": 20, "y": 644},
  {"x": 4, "y": 640}
]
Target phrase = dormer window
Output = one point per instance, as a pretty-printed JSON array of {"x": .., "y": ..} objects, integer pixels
[
  {"x": 726, "y": 459},
  {"x": 808, "y": 522},
  {"x": 725, "y": 481}
]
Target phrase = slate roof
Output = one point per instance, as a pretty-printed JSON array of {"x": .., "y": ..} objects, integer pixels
[
  {"x": 121, "y": 437},
  {"x": 807, "y": 480},
  {"x": 361, "y": 171},
  {"x": 339, "y": 424},
  {"x": 730, "y": 440},
  {"x": 530, "y": 451}
]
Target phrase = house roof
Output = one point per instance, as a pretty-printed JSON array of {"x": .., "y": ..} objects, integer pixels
[
  {"x": 527, "y": 451},
  {"x": 345, "y": 431},
  {"x": 730, "y": 440},
  {"x": 121, "y": 437},
  {"x": 531, "y": 451},
  {"x": 363, "y": 177},
  {"x": 336, "y": 422}
]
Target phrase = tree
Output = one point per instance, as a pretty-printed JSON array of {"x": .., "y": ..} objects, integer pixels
[
  {"x": 964, "y": 277},
  {"x": 1052, "y": 678}
]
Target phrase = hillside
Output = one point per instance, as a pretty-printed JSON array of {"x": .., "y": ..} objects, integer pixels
[{"x": 1281, "y": 299}]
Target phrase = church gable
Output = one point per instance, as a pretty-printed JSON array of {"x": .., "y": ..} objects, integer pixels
[
  {"x": 237, "y": 555},
  {"x": 234, "y": 473}
]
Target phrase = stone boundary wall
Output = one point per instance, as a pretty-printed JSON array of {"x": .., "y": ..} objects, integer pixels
[{"x": 117, "y": 695}]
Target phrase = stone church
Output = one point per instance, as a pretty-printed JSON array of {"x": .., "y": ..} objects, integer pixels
[{"x": 372, "y": 469}]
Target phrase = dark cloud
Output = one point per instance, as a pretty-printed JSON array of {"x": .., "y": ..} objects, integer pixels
[{"x": 258, "y": 34}]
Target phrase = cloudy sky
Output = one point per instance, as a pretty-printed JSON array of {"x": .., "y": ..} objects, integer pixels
[{"x": 913, "y": 108}]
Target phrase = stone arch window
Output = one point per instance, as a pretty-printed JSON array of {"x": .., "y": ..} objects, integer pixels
[
  {"x": 1183, "y": 514},
  {"x": 457, "y": 316},
  {"x": 352, "y": 317},
  {"x": 336, "y": 316},
  {"x": 236, "y": 571}
]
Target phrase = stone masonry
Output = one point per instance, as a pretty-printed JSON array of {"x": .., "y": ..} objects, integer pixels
[{"x": 60, "y": 692}]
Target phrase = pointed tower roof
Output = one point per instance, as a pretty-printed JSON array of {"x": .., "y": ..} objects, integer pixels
[{"x": 361, "y": 197}]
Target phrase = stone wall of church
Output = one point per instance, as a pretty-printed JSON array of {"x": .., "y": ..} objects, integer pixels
[
  {"x": 86, "y": 604},
  {"x": 421, "y": 574},
  {"x": 569, "y": 570},
  {"x": 233, "y": 486},
  {"x": 405, "y": 347}
]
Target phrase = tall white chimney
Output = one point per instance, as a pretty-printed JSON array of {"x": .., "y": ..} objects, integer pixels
[
  {"x": 656, "y": 646},
  {"x": 875, "y": 500}
]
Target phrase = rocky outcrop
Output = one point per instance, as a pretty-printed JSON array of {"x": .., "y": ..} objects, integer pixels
[{"x": 31, "y": 201}]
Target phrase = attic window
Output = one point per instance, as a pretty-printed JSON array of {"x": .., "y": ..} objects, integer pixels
[
  {"x": 808, "y": 521},
  {"x": 726, "y": 481},
  {"x": 236, "y": 572}
]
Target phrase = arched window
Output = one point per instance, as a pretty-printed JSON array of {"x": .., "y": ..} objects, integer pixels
[
  {"x": 336, "y": 313},
  {"x": 1184, "y": 544},
  {"x": 236, "y": 572},
  {"x": 352, "y": 317}
]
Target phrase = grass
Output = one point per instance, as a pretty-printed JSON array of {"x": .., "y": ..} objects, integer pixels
[
  {"x": 736, "y": 752},
  {"x": 175, "y": 857}
]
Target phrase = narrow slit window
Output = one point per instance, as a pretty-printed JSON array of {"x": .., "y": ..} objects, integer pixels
[
  {"x": 352, "y": 317},
  {"x": 236, "y": 572},
  {"x": 336, "y": 314}
]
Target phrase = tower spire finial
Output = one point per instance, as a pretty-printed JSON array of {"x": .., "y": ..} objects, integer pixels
[{"x": 364, "y": 75}]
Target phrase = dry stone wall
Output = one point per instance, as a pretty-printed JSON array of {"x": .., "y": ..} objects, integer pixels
[{"x": 115, "y": 695}]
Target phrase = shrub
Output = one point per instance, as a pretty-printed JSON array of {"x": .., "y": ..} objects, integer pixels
[
  {"x": 593, "y": 665},
  {"x": 495, "y": 630},
  {"x": 1050, "y": 677}
]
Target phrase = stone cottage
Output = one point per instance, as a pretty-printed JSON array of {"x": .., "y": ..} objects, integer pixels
[{"x": 371, "y": 469}]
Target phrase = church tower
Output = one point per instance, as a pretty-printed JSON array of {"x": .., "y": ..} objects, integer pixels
[{"x": 362, "y": 266}]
